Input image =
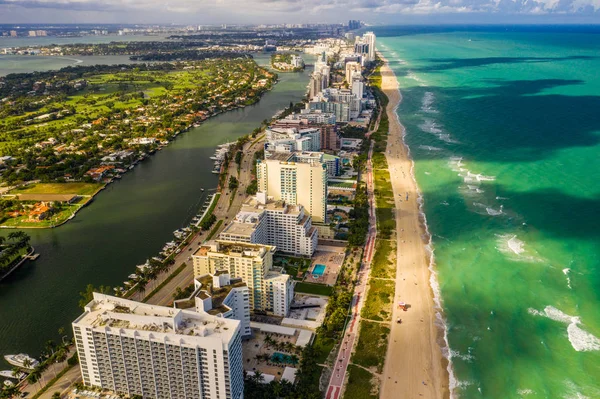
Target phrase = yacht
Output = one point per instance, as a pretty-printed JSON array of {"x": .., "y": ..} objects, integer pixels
[
  {"x": 20, "y": 360},
  {"x": 9, "y": 374}
]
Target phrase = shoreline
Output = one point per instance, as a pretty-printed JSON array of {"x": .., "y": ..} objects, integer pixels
[{"x": 421, "y": 340}]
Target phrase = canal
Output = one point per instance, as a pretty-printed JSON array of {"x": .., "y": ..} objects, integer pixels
[{"x": 127, "y": 223}]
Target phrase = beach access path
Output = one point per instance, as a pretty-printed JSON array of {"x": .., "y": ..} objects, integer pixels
[{"x": 414, "y": 366}]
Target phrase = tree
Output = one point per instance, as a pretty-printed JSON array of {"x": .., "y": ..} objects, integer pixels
[
  {"x": 88, "y": 294},
  {"x": 233, "y": 183}
]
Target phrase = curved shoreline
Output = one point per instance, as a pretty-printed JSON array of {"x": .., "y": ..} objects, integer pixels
[{"x": 422, "y": 341}]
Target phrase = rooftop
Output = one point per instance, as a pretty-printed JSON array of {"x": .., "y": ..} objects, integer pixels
[{"x": 108, "y": 313}]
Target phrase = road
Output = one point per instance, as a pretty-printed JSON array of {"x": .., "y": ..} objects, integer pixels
[{"x": 340, "y": 366}]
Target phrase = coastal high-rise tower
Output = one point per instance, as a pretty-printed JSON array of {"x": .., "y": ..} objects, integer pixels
[{"x": 157, "y": 352}]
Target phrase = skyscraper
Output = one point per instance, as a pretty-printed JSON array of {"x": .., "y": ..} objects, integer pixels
[
  {"x": 296, "y": 183},
  {"x": 158, "y": 352}
]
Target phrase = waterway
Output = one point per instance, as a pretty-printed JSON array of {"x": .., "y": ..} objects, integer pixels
[{"x": 127, "y": 223}]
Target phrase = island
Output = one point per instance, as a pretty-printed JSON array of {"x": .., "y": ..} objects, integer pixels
[
  {"x": 89, "y": 125},
  {"x": 286, "y": 62}
]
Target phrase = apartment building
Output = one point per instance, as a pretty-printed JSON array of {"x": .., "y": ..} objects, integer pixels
[
  {"x": 287, "y": 227},
  {"x": 296, "y": 183},
  {"x": 222, "y": 296},
  {"x": 292, "y": 139},
  {"x": 134, "y": 348},
  {"x": 270, "y": 290}
]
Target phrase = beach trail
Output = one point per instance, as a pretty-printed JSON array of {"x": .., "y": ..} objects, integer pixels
[{"x": 414, "y": 367}]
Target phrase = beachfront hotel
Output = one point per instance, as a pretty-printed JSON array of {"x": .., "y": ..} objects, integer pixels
[
  {"x": 296, "y": 183},
  {"x": 261, "y": 221},
  {"x": 153, "y": 351},
  {"x": 269, "y": 289}
]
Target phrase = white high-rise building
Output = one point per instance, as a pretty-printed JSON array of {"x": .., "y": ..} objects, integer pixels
[
  {"x": 369, "y": 38},
  {"x": 287, "y": 227},
  {"x": 269, "y": 290},
  {"x": 295, "y": 183},
  {"x": 158, "y": 352}
]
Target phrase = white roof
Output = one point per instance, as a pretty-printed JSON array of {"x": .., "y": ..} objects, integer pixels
[
  {"x": 289, "y": 374},
  {"x": 270, "y": 328},
  {"x": 304, "y": 338}
]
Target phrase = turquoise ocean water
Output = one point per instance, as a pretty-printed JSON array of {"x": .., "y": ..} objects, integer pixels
[{"x": 504, "y": 128}]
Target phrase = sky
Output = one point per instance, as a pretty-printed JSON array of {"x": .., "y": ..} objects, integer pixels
[{"x": 299, "y": 11}]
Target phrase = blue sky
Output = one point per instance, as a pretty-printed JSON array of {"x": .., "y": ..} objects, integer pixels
[{"x": 299, "y": 11}]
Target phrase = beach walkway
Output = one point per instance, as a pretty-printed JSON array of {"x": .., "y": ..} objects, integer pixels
[{"x": 340, "y": 367}]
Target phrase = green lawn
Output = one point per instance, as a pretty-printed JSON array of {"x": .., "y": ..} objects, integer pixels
[
  {"x": 59, "y": 188},
  {"x": 55, "y": 220},
  {"x": 378, "y": 305},
  {"x": 381, "y": 266},
  {"x": 316, "y": 289},
  {"x": 323, "y": 345},
  {"x": 372, "y": 345},
  {"x": 360, "y": 384}
]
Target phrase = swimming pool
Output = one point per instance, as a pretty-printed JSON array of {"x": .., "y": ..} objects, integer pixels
[
  {"x": 319, "y": 270},
  {"x": 279, "y": 357}
]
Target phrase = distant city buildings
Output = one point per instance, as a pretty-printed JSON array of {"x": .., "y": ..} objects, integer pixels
[
  {"x": 353, "y": 24},
  {"x": 157, "y": 352}
]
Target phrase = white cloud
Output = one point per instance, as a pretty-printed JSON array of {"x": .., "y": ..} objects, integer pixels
[{"x": 298, "y": 10}]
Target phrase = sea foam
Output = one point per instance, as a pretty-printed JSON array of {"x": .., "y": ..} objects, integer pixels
[
  {"x": 581, "y": 340},
  {"x": 427, "y": 103}
]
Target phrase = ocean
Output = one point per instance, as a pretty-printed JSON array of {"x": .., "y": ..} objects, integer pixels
[{"x": 504, "y": 127}]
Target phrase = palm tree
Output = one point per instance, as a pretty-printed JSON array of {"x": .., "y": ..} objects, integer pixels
[
  {"x": 294, "y": 359},
  {"x": 33, "y": 378},
  {"x": 258, "y": 377},
  {"x": 15, "y": 371}
]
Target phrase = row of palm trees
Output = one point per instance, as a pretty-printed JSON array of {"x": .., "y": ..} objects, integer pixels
[
  {"x": 54, "y": 353},
  {"x": 281, "y": 346},
  {"x": 10, "y": 246}
]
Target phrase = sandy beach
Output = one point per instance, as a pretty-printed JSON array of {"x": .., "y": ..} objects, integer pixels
[{"x": 414, "y": 365}]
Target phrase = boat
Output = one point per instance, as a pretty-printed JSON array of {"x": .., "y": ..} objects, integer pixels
[
  {"x": 8, "y": 383},
  {"x": 21, "y": 360},
  {"x": 201, "y": 189},
  {"x": 9, "y": 374}
]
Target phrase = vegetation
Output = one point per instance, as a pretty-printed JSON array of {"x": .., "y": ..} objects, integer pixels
[
  {"x": 372, "y": 345},
  {"x": 359, "y": 218},
  {"x": 283, "y": 62},
  {"x": 208, "y": 221},
  {"x": 165, "y": 282},
  {"x": 323, "y": 346},
  {"x": 12, "y": 250},
  {"x": 378, "y": 305},
  {"x": 316, "y": 289},
  {"x": 87, "y": 295},
  {"x": 381, "y": 265},
  {"x": 306, "y": 386},
  {"x": 59, "y": 125},
  {"x": 59, "y": 188},
  {"x": 360, "y": 384}
]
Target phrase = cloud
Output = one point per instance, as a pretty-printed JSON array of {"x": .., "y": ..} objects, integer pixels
[{"x": 296, "y": 10}]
